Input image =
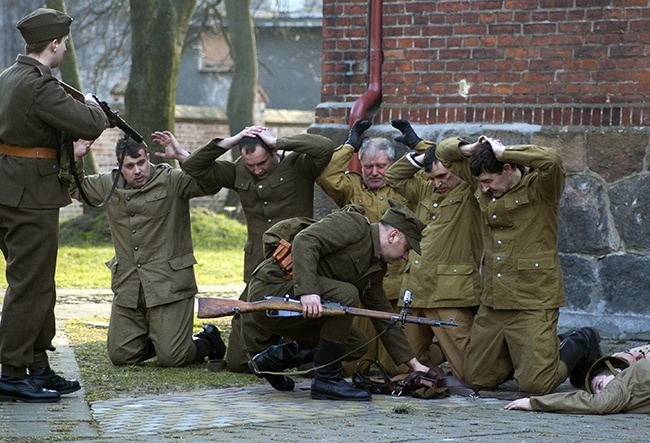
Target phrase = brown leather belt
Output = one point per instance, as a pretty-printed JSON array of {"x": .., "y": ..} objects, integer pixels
[{"x": 20, "y": 151}]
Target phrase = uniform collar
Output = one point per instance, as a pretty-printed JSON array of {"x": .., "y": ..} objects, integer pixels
[
  {"x": 35, "y": 63},
  {"x": 374, "y": 235}
]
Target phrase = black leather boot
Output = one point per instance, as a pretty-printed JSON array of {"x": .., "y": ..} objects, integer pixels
[
  {"x": 328, "y": 384},
  {"x": 24, "y": 389},
  {"x": 48, "y": 379},
  {"x": 579, "y": 349},
  {"x": 285, "y": 355},
  {"x": 209, "y": 343}
]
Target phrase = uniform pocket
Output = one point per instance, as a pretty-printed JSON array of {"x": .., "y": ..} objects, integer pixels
[{"x": 455, "y": 281}]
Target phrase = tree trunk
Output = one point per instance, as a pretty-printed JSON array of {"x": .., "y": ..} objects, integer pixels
[
  {"x": 243, "y": 89},
  {"x": 158, "y": 30}
]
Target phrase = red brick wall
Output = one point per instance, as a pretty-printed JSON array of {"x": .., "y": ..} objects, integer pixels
[{"x": 545, "y": 62}]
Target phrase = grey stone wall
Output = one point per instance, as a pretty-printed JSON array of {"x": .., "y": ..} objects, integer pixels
[{"x": 604, "y": 221}]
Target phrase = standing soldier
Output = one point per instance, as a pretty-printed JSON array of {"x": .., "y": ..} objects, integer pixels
[
  {"x": 35, "y": 114},
  {"x": 272, "y": 187},
  {"x": 444, "y": 280},
  {"x": 370, "y": 191}
]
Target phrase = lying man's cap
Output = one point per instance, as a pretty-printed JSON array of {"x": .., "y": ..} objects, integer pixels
[
  {"x": 404, "y": 220},
  {"x": 44, "y": 24},
  {"x": 607, "y": 362}
]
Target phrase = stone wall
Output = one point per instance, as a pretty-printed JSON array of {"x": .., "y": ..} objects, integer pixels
[{"x": 604, "y": 222}]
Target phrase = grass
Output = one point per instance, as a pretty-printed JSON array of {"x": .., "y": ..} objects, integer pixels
[
  {"x": 102, "y": 380},
  {"x": 85, "y": 246}
]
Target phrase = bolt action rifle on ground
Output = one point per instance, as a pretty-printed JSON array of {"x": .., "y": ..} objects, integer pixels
[{"x": 210, "y": 307}]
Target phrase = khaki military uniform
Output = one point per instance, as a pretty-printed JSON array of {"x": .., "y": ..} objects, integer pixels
[
  {"x": 34, "y": 113},
  {"x": 445, "y": 280},
  {"x": 287, "y": 192},
  {"x": 152, "y": 273},
  {"x": 337, "y": 258},
  {"x": 345, "y": 188},
  {"x": 629, "y": 391},
  {"x": 522, "y": 277}
]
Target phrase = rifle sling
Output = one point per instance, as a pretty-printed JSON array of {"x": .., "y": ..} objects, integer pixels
[{"x": 73, "y": 169}]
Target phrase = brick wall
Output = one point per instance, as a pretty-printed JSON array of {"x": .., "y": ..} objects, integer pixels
[{"x": 545, "y": 62}]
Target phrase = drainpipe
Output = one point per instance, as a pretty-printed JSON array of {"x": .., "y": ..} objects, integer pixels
[{"x": 371, "y": 99}]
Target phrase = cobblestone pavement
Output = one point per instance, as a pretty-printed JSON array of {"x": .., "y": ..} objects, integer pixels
[{"x": 260, "y": 414}]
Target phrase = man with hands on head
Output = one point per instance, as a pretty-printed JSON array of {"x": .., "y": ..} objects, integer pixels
[
  {"x": 272, "y": 186},
  {"x": 152, "y": 272},
  {"x": 515, "y": 330},
  {"x": 444, "y": 280}
]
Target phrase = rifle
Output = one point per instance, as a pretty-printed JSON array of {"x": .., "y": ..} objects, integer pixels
[
  {"x": 113, "y": 121},
  {"x": 287, "y": 307},
  {"x": 113, "y": 118}
]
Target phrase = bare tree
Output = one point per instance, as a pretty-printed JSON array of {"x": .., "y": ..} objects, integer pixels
[
  {"x": 241, "y": 96},
  {"x": 158, "y": 30}
]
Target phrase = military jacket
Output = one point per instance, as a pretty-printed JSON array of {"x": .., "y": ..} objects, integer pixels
[
  {"x": 342, "y": 246},
  {"x": 34, "y": 112},
  {"x": 286, "y": 193},
  {"x": 150, "y": 227},
  {"x": 629, "y": 391},
  {"x": 345, "y": 188},
  {"x": 521, "y": 265},
  {"x": 447, "y": 274}
]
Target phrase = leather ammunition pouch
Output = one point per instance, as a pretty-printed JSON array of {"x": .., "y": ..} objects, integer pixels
[{"x": 282, "y": 256}]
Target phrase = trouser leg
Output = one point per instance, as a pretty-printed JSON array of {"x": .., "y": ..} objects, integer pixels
[
  {"x": 29, "y": 241},
  {"x": 453, "y": 340},
  {"x": 170, "y": 330}
]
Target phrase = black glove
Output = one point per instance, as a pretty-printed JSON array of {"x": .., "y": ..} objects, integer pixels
[
  {"x": 408, "y": 137},
  {"x": 355, "y": 139}
]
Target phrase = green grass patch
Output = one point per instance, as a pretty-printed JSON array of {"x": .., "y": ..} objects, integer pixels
[
  {"x": 85, "y": 246},
  {"x": 102, "y": 380}
]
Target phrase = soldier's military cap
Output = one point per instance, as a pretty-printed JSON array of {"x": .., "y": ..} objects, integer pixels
[
  {"x": 607, "y": 362},
  {"x": 403, "y": 219},
  {"x": 44, "y": 24}
]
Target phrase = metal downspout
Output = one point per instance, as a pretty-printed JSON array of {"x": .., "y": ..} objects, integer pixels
[{"x": 368, "y": 104}]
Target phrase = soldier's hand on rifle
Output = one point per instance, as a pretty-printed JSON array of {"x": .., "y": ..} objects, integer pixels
[
  {"x": 81, "y": 148},
  {"x": 173, "y": 149},
  {"x": 90, "y": 99},
  {"x": 408, "y": 137},
  {"x": 356, "y": 138},
  {"x": 312, "y": 306}
]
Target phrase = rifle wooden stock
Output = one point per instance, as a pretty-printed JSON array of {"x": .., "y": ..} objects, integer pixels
[
  {"x": 113, "y": 118},
  {"x": 210, "y": 307}
]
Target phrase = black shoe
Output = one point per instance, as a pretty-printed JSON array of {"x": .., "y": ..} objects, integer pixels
[
  {"x": 24, "y": 389},
  {"x": 328, "y": 384},
  {"x": 48, "y": 379},
  {"x": 277, "y": 358},
  {"x": 212, "y": 338}
]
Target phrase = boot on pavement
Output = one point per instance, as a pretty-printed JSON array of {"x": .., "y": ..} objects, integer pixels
[{"x": 328, "y": 384}]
